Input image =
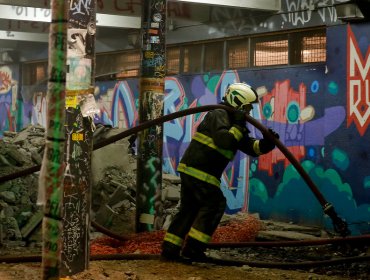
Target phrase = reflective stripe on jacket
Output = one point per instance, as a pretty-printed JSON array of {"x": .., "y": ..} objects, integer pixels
[{"x": 214, "y": 145}]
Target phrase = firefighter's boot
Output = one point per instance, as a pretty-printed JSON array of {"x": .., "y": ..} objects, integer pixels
[
  {"x": 194, "y": 250},
  {"x": 170, "y": 252}
]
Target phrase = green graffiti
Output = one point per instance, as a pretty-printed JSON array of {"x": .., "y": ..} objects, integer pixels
[
  {"x": 19, "y": 117},
  {"x": 185, "y": 105},
  {"x": 258, "y": 188},
  {"x": 151, "y": 164},
  {"x": 291, "y": 174},
  {"x": 330, "y": 176},
  {"x": 267, "y": 110},
  {"x": 333, "y": 88},
  {"x": 367, "y": 182},
  {"x": 293, "y": 112},
  {"x": 253, "y": 166},
  {"x": 212, "y": 83},
  {"x": 333, "y": 177},
  {"x": 340, "y": 159}
]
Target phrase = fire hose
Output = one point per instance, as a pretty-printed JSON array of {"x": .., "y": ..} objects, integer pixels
[
  {"x": 340, "y": 226},
  {"x": 222, "y": 262}
]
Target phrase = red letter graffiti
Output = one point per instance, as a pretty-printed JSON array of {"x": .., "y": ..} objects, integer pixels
[{"x": 358, "y": 96}]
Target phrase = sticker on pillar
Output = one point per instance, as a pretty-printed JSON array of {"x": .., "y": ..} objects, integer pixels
[
  {"x": 148, "y": 54},
  {"x": 88, "y": 106},
  {"x": 77, "y": 137},
  {"x": 154, "y": 24},
  {"x": 146, "y": 219},
  {"x": 153, "y": 31},
  {"x": 90, "y": 39},
  {"x": 79, "y": 74},
  {"x": 154, "y": 40},
  {"x": 152, "y": 84},
  {"x": 76, "y": 40},
  {"x": 157, "y": 17},
  {"x": 71, "y": 99},
  {"x": 147, "y": 47}
]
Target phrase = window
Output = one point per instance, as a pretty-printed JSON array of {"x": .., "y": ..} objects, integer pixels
[
  {"x": 313, "y": 48},
  {"x": 173, "y": 60},
  {"x": 128, "y": 64},
  {"x": 119, "y": 65},
  {"x": 270, "y": 51},
  {"x": 192, "y": 58},
  {"x": 40, "y": 72},
  {"x": 213, "y": 56},
  {"x": 286, "y": 48},
  {"x": 237, "y": 53},
  {"x": 34, "y": 73}
]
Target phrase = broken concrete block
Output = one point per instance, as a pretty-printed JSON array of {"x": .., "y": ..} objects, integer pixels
[
  {"x": 33, "y": 223},
  {"x": 7, "y": 196},
  {"x": 115, "y": 154},
  {"x": 276, "y": 235},
  {"x": 15, "y": 156},
  {"x": 118, "y": 196},
  {"x": 171, "y": 193},
  {"x": 171, "y": 178},
  {"x": 104, "y": 216}
]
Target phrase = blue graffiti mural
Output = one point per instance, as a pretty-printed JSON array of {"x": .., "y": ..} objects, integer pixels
[{"x": 307, "y": 105}]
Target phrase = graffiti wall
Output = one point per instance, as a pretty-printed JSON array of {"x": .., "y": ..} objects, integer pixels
[
  {"x": 9, "y": 106},
  {"x": 320, "y": 111}
]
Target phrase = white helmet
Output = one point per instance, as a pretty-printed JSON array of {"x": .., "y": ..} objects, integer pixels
[{"x": 240, "y": 94}]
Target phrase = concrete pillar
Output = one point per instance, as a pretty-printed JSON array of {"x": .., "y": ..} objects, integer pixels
[
  {"x": 80, "y": 109},
  {"x": 52, "y": 168},
  {"x": 149, "y": 210}
]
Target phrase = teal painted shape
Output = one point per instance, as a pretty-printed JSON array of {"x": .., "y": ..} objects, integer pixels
[
  {"x": 340, "y": 159},
  {"x": 333, "y": 88},
  {"x": 294, "y": 201},
  {"x": 367, "y": 182},
  {"x": 258, "y": 189}
]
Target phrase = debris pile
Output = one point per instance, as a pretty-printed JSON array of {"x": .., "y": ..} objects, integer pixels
[
  {"x": 114, "y": 200},
  {"x": 113, "y": 196},
  {"x": 140, "y": 243},
  {"x": 18, "y": 208},
  {"x": 243, "y": 228}
]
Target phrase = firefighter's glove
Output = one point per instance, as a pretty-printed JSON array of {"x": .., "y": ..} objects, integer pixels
[
  {"x": 240, "y": 118},
  {"x": 266, "y": 144},
  {"x": 274, "y": 133}
]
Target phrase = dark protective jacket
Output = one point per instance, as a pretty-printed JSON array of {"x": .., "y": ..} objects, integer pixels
[{"x": 215, "y": 144}]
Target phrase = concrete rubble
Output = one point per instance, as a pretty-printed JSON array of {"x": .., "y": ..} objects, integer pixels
[{"x": 113, "y": 185}]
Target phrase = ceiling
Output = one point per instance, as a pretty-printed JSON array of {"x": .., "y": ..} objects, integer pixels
[{"x": 24, "y": 24}]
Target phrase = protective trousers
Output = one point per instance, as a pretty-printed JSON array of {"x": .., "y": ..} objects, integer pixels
[{"x": 201, "y": 208}]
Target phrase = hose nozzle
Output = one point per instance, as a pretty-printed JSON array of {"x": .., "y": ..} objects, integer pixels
[{"x": 340, "y": 226}]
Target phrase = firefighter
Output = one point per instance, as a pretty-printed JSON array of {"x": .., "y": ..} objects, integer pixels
[{"x": 219, "y": 136}]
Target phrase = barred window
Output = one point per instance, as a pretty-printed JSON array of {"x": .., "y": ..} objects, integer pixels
[
  {"x": 213, "y": 56},
  {"x": 34, "y": 72},
  {"x": 173, "y": 60},
  {"x": 313, "y": 48},
  {"x": 285, "y": 48},
  {"x": 192, "y": 58},
  {"x": 128, "y": 73},
  {"x": 237, "y": 54},
  {"x": 128, "y": 64},
  {"x": 119, "y": 65},
  {"x": 271, "y": 52},
  {"x": 41, "y": 72}
]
